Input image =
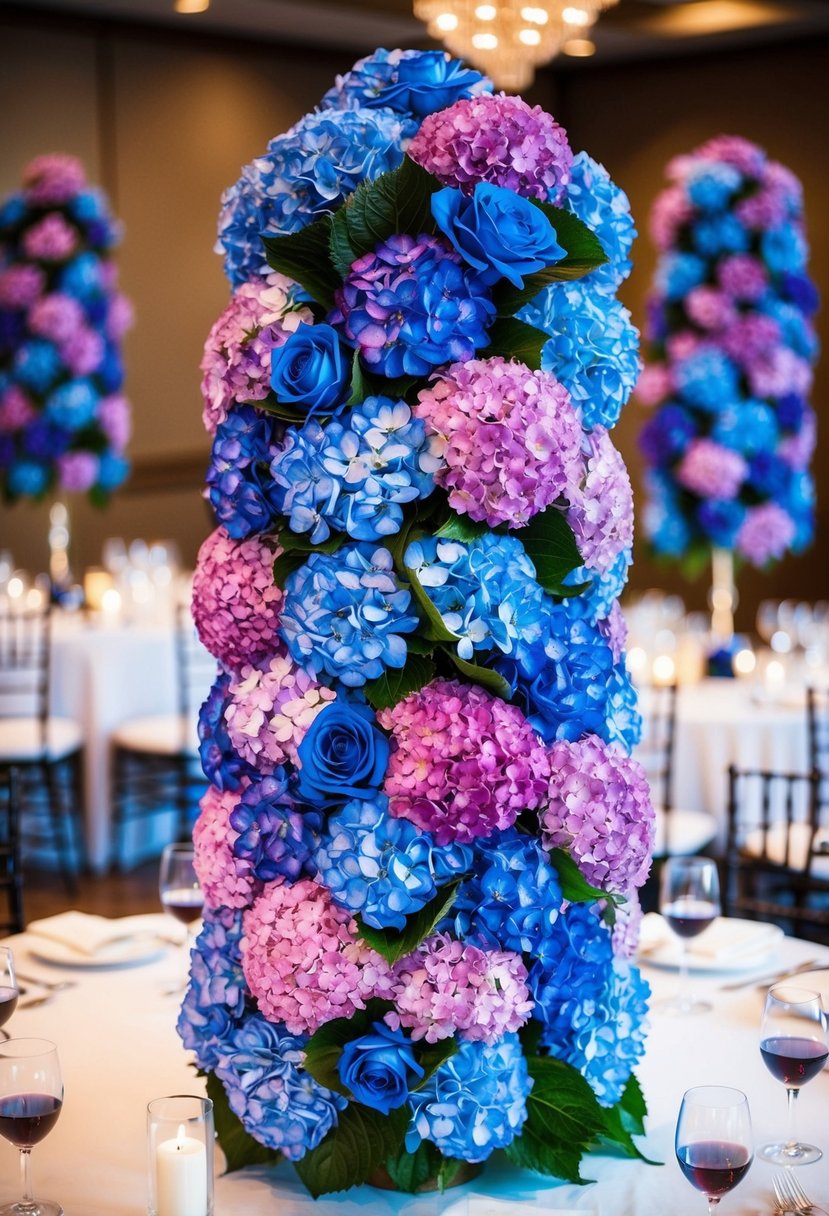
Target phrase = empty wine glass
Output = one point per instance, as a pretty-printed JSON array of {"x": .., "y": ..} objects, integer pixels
[
  {"x": 180, "y": 889},
  {"x": 713, "y": 1140},
  {"x": 9, "y": 990},
  {"x": 31, "y": 1096},
  {"x": 689, "y": 900},
  {"x": 793, "y": 1044}
]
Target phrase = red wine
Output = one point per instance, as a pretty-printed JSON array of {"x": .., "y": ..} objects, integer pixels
[
  {"x": 714, "y": 1166},
  {"x": 26, "y": 1118},
  {"x": 184, "y": 903},
  {"x": 8, "y": 1003},
  {"x": 688, "y": 917},
  {"x": 793, "y": 1060}
]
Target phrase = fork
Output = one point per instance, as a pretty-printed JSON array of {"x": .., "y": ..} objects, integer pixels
[
  {"x": 49, "y": 985},
  {"x": 791, "y": 1197}
]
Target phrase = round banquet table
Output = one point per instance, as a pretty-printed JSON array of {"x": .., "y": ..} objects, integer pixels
[{"x": 116, "y": 1035}]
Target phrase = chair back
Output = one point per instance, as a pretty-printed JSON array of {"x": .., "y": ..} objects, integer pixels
[
  {"x": 196, "y": 669},
  {"x": 817, "y": 733},
  {"x": 11, "y": 873},
  {"x": 656, "y": 749},
  {"x": 25, "y": 648}
]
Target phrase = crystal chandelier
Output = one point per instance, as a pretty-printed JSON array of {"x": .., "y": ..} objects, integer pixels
[{"x": 509, "y": 39}]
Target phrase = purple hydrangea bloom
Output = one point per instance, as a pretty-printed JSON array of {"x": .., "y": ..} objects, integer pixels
[
  {"x": 221, "y": 765},
  {"x": 214, "y": 1004},
  {"x": 240, "y": 487},
  {"x": 277, "y": 837}
]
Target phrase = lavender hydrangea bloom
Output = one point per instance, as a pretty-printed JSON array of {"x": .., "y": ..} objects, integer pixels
[
  {"x": 304, "y": 174},
  {"x": 240, "y": 488},
  {"x": 277, "y": 1101},
  {"x": 382, "y": 867},
  {"x": 594, "y": 197},
  {"x": 276, "y": 836},
  {"x": 221, "y": 764},
  {"x": 474, "y": 1103},
  {"x": 344, "y": 614},
  {"x": 412, "y": 305},
  {"x": 214, "y": 1003}
]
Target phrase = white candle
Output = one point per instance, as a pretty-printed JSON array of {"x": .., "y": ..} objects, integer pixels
[{"x": 181, "y": 1176}]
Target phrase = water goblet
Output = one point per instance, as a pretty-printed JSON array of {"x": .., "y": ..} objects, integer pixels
[
  {"x": 793, "y": 1044},
  {"x": 713, "y": 1140},
  {"x": 689, "y": 900},
  {"x": 180, "y": 889},
  {"x": 9, "y": 990},
  {"x": 31, "y": 1096}
]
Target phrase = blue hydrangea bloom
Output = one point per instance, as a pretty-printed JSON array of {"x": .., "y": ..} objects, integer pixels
[
  {"x": 344, "y": 613},
  {"x": 769, "y": 475},
  {"x": 304, "y": 174},
  {"x": 302, "y": 489},
  {"x": 474, "y": 1103},
  {"x": 37, "y": 365},
  {"x": 113, "y": 470},
  {"x": 720, "y": 520},
  {"x": 795, "y": 330},
  {"x": 276, "y": 837},
  {"x": 277, "y": 1101},
  {"x": 214, "y": 1003},
  {"x": 707, "y": 379},
  {"x": 663, "y": 518},
  {"x": 595, "y": 603},
  {"x": 679, "y": 273},
  {"x": 72, "y": 405},
  {"x": 791, "y": 411},
  {"x": 12, "y": 210},
  {"x": 593, "y": 348},
  {"x": 719, "y": 235},
  {"x": 667, "y": 433},
  {"x": 382, "y": 867},
  {"x": 595, "y": 198},
  {"x": 44, "y": 440},
  {"x": 712, "y": 185},
  {"x": 82, "y": 277},
  {"x": 28, "y": 477},
  {"x": 240, "y": 488},
  {"x": 88, "y": 206},
  {"x": 513, "y": 897},
  {"x": 747, "y": 427},
  {"x": 221, "y": 764},
  {"x": 799, "y": 288},
  {"x": 784, "y": 249}
]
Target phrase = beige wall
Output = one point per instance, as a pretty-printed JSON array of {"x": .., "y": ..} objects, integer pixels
[{"x": 164, "y": 123}]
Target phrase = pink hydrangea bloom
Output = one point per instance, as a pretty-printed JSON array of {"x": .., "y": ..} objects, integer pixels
[
  {"x": 742, "y": 277},
  {"x": 236, "y": 364},
  {"x": 602, "y": 516},
  {"x": 710, "y": 309},
  {"x": 508, "y": 438},
  {"x": 120, "y": 316},
  {"x": 683, "y": 344},
  {"x": 600, "y": 811},
  {"x": 614, "y": 630},
  {"x": 780, "y": 371},
  {"x": 77, "y": 471},
  {"x": 56, "y": 316},
  {"x": 20, "y": 286},
  {"x": 765, "y": 534},
  {"x": 798, "y": 449},
  {"x": 52, "y": 239},
  {"x": 750, "y": 337},
  {"x": 446, "y": 986},
  {"x": 499, "y": 139},
  {"x": 270, "y": 709},
  {"x": 736, "y": 151},
  {"x": 765, "y": 209},
  {"x": 115, "y": 420},
  {"x": 711, "y": 470},
  {"x": 53, "y": 179},
  {"x": 227, "y": 881},
  {"x": 463, "y": 763},
  {"x": 626, "y": 927},
  {"x": 83, "y": 351},
  {"x": 671, "y": 209},
  {"x": 655, "y": 384},
  {"x": 235, "y": 600},
  {"x": 16, "y": 410},
  {"x": 303, "y": 961}
]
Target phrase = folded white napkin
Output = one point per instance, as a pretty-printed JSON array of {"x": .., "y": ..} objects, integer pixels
[
  {"x": 726, "y": 940},
  {"x": 90, "y": 935}
]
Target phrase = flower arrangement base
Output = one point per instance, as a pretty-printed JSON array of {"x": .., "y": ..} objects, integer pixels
[{"x": 465, "y": 1172}]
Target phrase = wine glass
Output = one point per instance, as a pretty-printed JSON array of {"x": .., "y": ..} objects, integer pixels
[
  {"x": 9, "y": 991},
  {"x": 180, "y": 890},
  {"x": 713, "y": 1140},
  {"x": 31, "y": 1096},
  {"x": 689, "y": 900},
  {"x": 794, "y": 1049}
]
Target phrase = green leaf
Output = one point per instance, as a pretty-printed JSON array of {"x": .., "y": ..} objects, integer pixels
[
  {"x": 285, "y": 565},
  {"x": 393, "y": 944},
  {"x": 398, "y": 201},
  {"x": 340, "y": 249},
  {"x": 633, "y": 1106},
  {"x": 324, "y": 1048},
  {"x": 430, "y": 1056},
  {"x": 563, "y": 1119},
  {"x": 461, "y": 527},
  {"x": 514, "y": 339},
  {"x": 409, "y": 1171},
  {"x": 281, "y": 410},
  {"x": 362, "y": 1140},
  {"x": 358, "y": 384},
  {"x": 584, "y": 253},
  {"x": 396, "y": 683},
  {"x": 550, "y": 545},
  {"x": 418, "y": 645},
  {"x": 435, "y": 628},
  {"x": 239, "y": 1147},
  {"x": 617, "y": 1135},
  {"x": 491, "y": 680},
  {"x": 305, "y": 257},
  {"x": 298, "y": 542},
  {"x": 574, "y": 886}
]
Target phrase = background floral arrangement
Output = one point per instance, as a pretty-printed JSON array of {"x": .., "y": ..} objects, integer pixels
[
  {"x": 731, "y": 353},
  {"x": 64, "y": 424},
  {"x": 424, "y": 833}
]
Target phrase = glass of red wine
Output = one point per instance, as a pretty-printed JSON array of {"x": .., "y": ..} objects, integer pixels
[
  {"x": 793, "y": 1044},
  {"x": 31, "y": 1095},
  {"x": 9, "y": 991},
  {"x": 713, "y": 1140},
  {"x": 180, "y": 890},
  {"x": 689, "y": 900}
]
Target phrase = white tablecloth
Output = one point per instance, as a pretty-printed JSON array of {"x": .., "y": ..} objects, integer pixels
[{"x": 117, "y": 1040}]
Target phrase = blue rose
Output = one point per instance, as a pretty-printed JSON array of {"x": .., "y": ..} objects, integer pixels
[
  {"x": 377, "y": 1068},
  {"x": 343, "y": 754},
  {"x": 428, "y": 81},
  {"x": 498, "y": 233},
  {"x": 311, "y": 370}
]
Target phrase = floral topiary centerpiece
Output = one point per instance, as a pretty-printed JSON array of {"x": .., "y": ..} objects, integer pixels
[
  {"x": 424, "y": 833},
  {"x": 64, "y": 423},
  {"x": 732, "y": 346}
]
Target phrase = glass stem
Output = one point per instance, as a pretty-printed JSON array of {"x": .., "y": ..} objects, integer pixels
[
  {"x": 791, "y": 1144},
  {"x": 26, "y": 1177},
  {"x": 683, "y": 995},
  {"x": 713, "y": 1204}
]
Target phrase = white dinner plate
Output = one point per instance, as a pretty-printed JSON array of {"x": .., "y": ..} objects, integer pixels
[
  {"x": 666, "y": 953},
  {"x": 128, "y": 952}
]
